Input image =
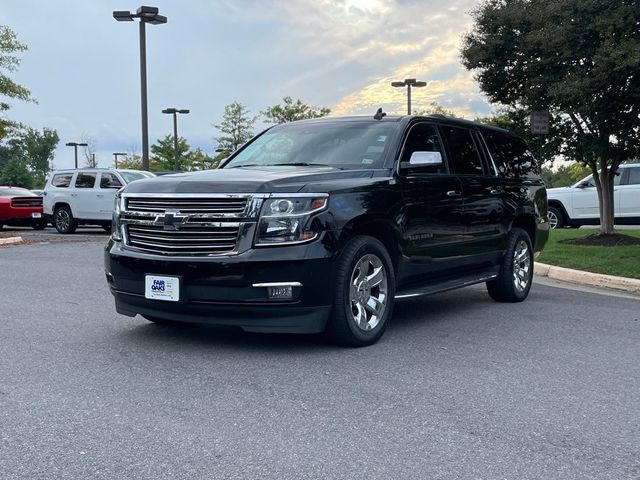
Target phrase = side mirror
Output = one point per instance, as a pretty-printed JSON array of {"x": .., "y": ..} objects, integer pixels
[{"x": 425, "y": 159}]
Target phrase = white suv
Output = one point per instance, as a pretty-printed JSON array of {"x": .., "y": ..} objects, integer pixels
[
  {"x": 85, "y": 196},
  {"x": 578, "y": 205}
]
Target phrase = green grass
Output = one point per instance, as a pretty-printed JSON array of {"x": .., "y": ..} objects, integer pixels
[{"x": 620, "y": 261}]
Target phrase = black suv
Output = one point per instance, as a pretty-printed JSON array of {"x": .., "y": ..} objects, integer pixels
[{"x": 320, "y": 225}]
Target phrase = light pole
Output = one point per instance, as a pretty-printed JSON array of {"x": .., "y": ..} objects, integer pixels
[
  {"x": 175, "y": 112},
  {"x": 409, "y": 82},
  {"x": 75, "y": 146},
  {"x": 115, "y": 156},
  {"x": 146, "y": 15}
]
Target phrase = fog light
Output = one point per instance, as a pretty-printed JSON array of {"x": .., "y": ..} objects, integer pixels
[
  {"x": 280, "y": 293},
  {"x": 279, "y": 290}
]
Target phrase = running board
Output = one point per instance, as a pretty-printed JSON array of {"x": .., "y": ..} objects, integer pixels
[{"x": 446, "y": 285}]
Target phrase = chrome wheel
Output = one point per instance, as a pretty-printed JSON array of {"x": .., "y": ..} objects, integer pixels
[
  {"x": 63, "y": 220},
  {"x": 368, "y": 292},
  {"x": 553, "y": 219},
  {"x": 521, "y": 266}
]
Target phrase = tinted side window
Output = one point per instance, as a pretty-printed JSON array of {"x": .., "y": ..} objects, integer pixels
[
  {"x": 61, "y": 180},
  {"x": 109, "y": 180},
  {"x": 511, "y": 156},
  {"x": 85, "y": 180},
  {"x": 423, "y": 138},
  {"x": 462, "y": 151},
  {"x": 634, "y": 176}
]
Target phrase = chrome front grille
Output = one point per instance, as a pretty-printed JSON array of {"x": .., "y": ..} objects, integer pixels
[
  {"x": 186, "y": 224},
  {"x": 187, "y": 240},
  {"x": 221, "y": 205}
]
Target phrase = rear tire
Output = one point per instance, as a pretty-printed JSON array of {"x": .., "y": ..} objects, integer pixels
[
  {"x": 63, "y": 220},
  {"x": 516, "y": 272},
  {"x": 363, "y": 294}
]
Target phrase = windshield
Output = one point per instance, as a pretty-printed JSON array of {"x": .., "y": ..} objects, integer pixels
[
  {"x": 132, "y": 176},
  {"x": 16, "y": 192},
  {"x": 343, "y": 145},
  {"x": 589, "y": 182}
]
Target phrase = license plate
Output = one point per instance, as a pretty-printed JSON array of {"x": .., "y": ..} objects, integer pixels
[
  {"x": 36, "y": 215},
  {"x": 162, "y": 288}
]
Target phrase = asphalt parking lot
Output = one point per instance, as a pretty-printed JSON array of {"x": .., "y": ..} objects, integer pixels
[{"x": 459, "y": 386}]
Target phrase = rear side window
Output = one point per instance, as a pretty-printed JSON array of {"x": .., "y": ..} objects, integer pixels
[
  {"x": 463, "y": 154},
  {"x": 511, "y": 156},
  {"x": 61, "y": 180},
  {"x": 634, "y": 176},
  {"x": 85, "y": 180},
  {"x": 109, "y": 180}
]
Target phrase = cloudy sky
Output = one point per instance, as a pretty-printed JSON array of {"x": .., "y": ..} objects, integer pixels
[{"x": 82, "y": 66}]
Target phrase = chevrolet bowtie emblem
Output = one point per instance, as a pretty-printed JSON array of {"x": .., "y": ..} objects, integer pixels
[{"x": 171, "y": 220}]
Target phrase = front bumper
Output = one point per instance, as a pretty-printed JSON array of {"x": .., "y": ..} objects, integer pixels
[{"x": 220, "y": 291}]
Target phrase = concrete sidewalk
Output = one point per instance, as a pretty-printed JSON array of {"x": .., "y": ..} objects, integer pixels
[{"x": 588, "y": 278}]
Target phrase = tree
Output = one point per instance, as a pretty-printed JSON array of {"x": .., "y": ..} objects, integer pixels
[
  {"x": 290, "y": 111},
  {"x": 89, "y": 150},
  {"x": 15, "y": 173},
  {"x": 132, "y": 161},
  {"x": 236, "y": 127},
  {"x": 9, "y": 63},
  {"x": 435, "y": 108},
  {"x": 38, "y": 149},
  {"x": 581, "y": 59},
  {"x": 564, "y": 175},
  {"x": 162, "y": 154}
]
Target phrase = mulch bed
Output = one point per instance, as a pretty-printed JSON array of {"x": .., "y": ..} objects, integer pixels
[{"x": 603, "y": 240}]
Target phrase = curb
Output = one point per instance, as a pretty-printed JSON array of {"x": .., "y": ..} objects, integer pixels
[
  {"x": 10, "y": 240},
  {"x": 587, "y": 278}
]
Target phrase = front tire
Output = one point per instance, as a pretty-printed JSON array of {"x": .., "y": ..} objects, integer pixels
[
  {"x": 516, "y": 272},
  {"x": 556, "y": 218},
  {"x": 364, "y": 293},
  {"x": 63, "y": 220}
]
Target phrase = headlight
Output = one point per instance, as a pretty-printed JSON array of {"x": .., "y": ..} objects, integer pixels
[
  {"x": 285, "y": 220},
  {"x": 115, "y": 219}
]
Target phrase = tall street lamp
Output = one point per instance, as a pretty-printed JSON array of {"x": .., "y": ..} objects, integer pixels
[
  {"x": 175, "y": 112},
  {"x": 146, "y": 15},
  {"x": 409, "y": 82},
  {"x": 116, "y": 155},
  {"x": 75, "y": 146}
]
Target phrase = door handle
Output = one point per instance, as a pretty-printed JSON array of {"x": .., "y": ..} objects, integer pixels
[
  {"x": 99, "y": 195},
  {"x": 495, "y": 191},
  {"x": 453, "y": 193},
  {"x": 74, "y": 194}
]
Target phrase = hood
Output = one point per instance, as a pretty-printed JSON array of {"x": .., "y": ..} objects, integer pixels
[
  {"x": 251, "y": 180},
  {"x": 560, "y": 190}
]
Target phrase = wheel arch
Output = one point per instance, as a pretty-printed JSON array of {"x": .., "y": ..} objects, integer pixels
[
  {"x": 560, "y": 206},
  {"x": 380, "y": 229},
  {"x": 527, "y": 222}
]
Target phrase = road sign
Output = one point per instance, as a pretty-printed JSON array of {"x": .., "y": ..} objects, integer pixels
[{"x": 540, "y": 122}]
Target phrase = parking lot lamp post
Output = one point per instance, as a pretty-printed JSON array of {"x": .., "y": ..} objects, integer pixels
[
  {"x": 75, "y": 146},
  {"x": 146, "y": 15},
  {"x": 115, "y": 156},
  {"x": 175, "y": 112},
  {"x": 409, "y": 82}
]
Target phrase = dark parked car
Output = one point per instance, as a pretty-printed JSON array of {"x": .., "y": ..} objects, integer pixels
[
  {"x": 320, "y": 225},
  {"x": 21, "y": 207}
]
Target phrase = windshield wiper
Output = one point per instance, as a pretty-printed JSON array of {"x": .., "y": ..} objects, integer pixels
[
  {"x": 303, "y": 164},
  {"x": 284, "y": 164}
]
